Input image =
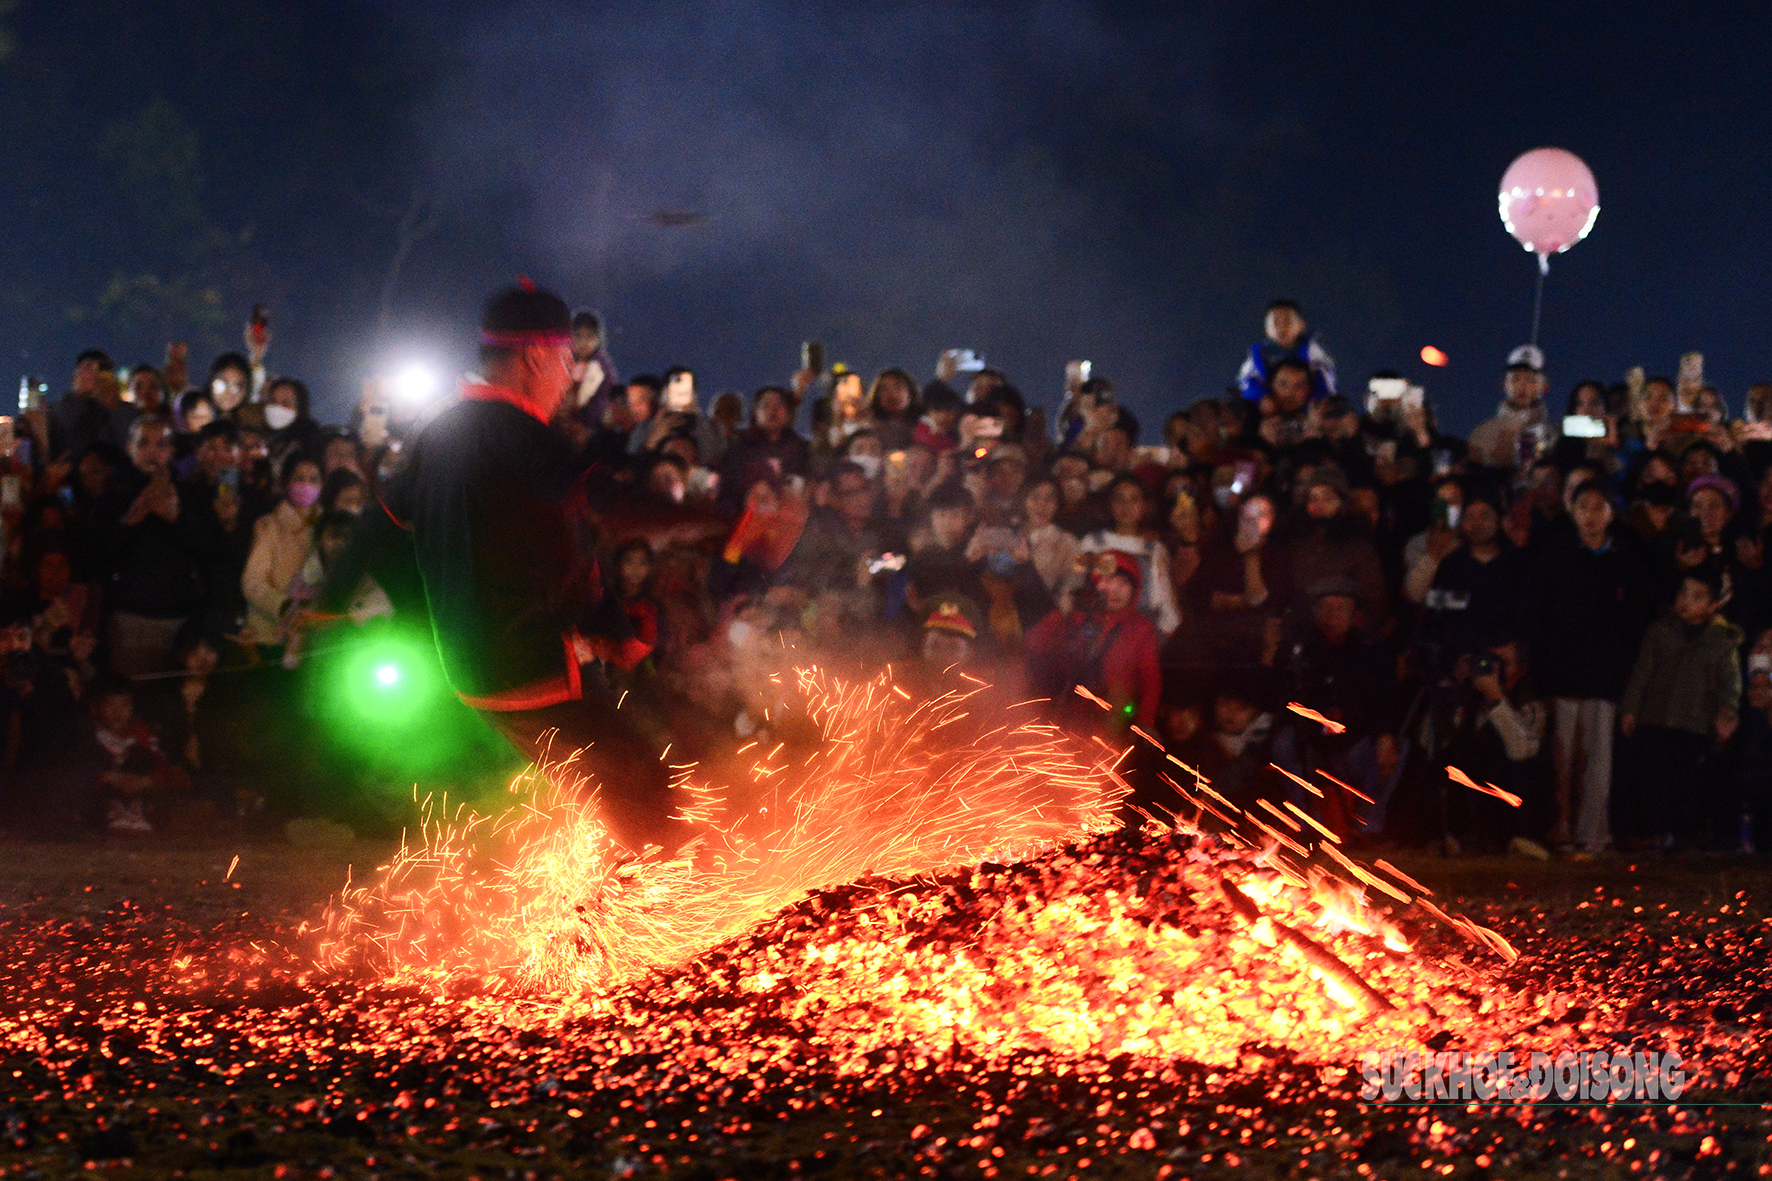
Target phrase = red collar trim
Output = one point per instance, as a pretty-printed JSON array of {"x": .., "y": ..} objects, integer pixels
[
  {"x": 498, "y": 393},
  {"x": 537, "y": 695},
  {"x": 406, "y": 525}
]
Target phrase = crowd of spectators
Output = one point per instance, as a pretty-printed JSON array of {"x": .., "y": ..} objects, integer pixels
[{"x": 1572, "y": 605}]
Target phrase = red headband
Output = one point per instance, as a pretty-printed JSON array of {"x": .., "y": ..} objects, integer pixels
[{"x": 518, "y": 340}]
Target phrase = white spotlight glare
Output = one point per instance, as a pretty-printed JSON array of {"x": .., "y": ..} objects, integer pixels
[{"x": 415, "y": 384}]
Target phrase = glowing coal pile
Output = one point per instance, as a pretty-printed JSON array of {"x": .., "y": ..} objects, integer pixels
[
  {"x": 536, "y": 899},
  {"x": 1160, "y": 946},
  {"x": 1182, "y": 944}
]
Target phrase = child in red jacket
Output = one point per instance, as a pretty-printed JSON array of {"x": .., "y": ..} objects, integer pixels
[
  {"x": 136, "y": 778},
  {"x": 1110, "y": 651}
]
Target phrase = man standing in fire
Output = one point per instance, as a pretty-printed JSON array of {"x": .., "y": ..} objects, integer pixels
[{"x": 490, "y": 494}]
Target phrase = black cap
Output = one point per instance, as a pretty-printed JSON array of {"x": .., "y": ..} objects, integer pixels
[{"x": 525, "y": 314}]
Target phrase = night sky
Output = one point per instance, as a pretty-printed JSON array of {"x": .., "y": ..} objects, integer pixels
[{"x": 1041, "y": 182}]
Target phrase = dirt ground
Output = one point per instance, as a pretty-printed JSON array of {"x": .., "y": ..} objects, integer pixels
[{"x": 98, "y": 1073}]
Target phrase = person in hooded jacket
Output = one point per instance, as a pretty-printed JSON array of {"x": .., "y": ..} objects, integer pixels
[{"x": 1332, "y": 543}]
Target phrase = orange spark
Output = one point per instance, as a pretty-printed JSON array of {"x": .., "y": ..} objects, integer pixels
[
  {"x": 1289, "y": 822},
  {"x": 539, "y": 898},
  {"x": 1313, "y": 822},
  {"x": 1347, "y": 787},
  {"x": 1381, "y": 863},
  {"x": 1488, "y": 789},
  {"x": 1310, "y": 787},
  {"x": 1312, "y": 715},
  {"x": 1088, "y": 696}
]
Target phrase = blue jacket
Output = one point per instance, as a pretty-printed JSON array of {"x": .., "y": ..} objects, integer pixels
[{"x": 1265, "y": 354}]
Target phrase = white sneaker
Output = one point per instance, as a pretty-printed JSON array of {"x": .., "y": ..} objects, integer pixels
[
  {"x": 128, "y": 816},
  {"x": 1527, "y": 847}
]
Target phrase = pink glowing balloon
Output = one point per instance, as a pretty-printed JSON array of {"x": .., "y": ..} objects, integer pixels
[{"x": 1549, "y": 201}]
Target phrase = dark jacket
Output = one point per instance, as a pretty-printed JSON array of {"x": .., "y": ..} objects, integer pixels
[
  {"x": 1353, "y": 682},
  {"x": 1337, "y": 550},
  {"x": 155, "y": 568},
  {"x": 1473, "y": 603},
  {"x": 76, "y": 422},
  {"x": 785, "y": 455},
  {"x": 937, "y": 572},
  {"x": 225, "y": 550},
  {"x": 488, "y": 495},
  {"x": 827, "y": 554},
  {"x": 1586, "y": 610},
  {"x": 1684, "y": 676}
]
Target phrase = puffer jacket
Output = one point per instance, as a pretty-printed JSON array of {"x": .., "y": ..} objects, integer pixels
[
  {"x": 1684, "y": 676},
  {"x": 282, "y": 539}
]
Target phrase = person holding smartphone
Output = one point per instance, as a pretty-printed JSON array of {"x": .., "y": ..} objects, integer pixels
[
  {"x": 156, "y": 552},
  {"x": 1053, "y": 549},
  {"x": 1518, "y": 433},
  {"x": 769, "y": 442},
  {"x": 1237, "y": 590},
  {"x": 1109, "y": 649},
  {"x": 1589, "y": 431},
  {"x": 211, "y": 492},
  {"x": 846, "y": 412}
]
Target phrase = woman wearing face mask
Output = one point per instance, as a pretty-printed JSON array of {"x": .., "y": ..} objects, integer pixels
[
  {"x": 281, "y": 541},
  {"x": 866, "y": 452},
  {"x": 293, "y": 429}
]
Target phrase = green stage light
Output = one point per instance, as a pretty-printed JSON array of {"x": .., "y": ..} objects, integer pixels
[
  {"x": 388, "y": 682},
  {"x": 388, "y": 720}
]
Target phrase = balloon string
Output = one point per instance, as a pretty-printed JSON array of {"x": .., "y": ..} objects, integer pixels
[{"x": 1538, "y": 298}]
